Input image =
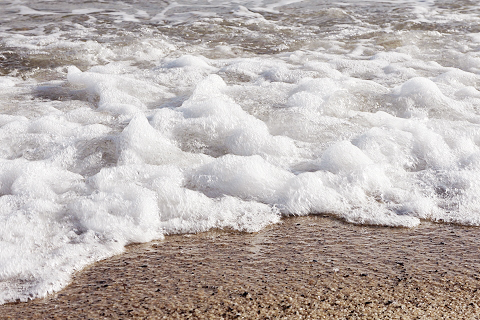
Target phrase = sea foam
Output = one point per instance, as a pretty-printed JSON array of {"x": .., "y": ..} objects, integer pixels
[{"x": 124, "y": 124}]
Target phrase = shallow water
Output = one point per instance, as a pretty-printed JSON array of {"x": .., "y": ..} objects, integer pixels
[
  {"x": 123, "y": 121},
  {"x": 304, "y": 267}
]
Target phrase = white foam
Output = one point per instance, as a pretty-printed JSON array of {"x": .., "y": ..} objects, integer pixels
[
  {"x": 86, "y": 10},
  {"x": 190, "y": 62},
  {"x": 118, "y": 94},
  {"x": 29, "y": 11},
  {"x": 249, "y": 178},
  {"x": 7, "y": 82},
  {"x": 124, "y": 16}
]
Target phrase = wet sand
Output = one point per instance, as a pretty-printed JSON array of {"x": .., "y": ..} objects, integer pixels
[{"x": 304, "y": 268}]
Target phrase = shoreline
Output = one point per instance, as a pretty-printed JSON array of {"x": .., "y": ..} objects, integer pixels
[{"x": 315, "y": 266}]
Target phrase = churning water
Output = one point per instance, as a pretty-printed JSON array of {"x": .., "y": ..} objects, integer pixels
[{"x": 123, "y": 121}]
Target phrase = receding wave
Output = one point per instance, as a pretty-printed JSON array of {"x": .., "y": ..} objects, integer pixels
[{"x": 121, "y": 123}]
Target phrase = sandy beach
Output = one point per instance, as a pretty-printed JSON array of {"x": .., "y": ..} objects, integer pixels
[{"x": 303, "y": 268}]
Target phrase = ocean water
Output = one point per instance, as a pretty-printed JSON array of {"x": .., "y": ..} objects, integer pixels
[{"x": 125, "y": 121}]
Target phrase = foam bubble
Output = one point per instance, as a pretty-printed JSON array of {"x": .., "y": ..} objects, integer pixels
[
  {"x": 7, "y": 82},
  {"x": 250, "y": 178}
]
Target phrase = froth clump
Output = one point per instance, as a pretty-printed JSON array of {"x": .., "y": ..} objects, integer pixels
[
  {"x": 307, "y": 193},
  {"x": 189, "y": 61},
  {"x": 343, "y": 156},
  {"x": 214, "y": 121},
  {"x": 421, "y": 97},
  {"x": 36, "y": 180},
  {"x": 249, "y": 178},
  {"x": 141, "y": 143},
  {"x": 313, "y": 93},
  {"x": 117, "y": 93},
  {"x": 7, "y": 82},
  {"x": 142, "y": 202}
]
